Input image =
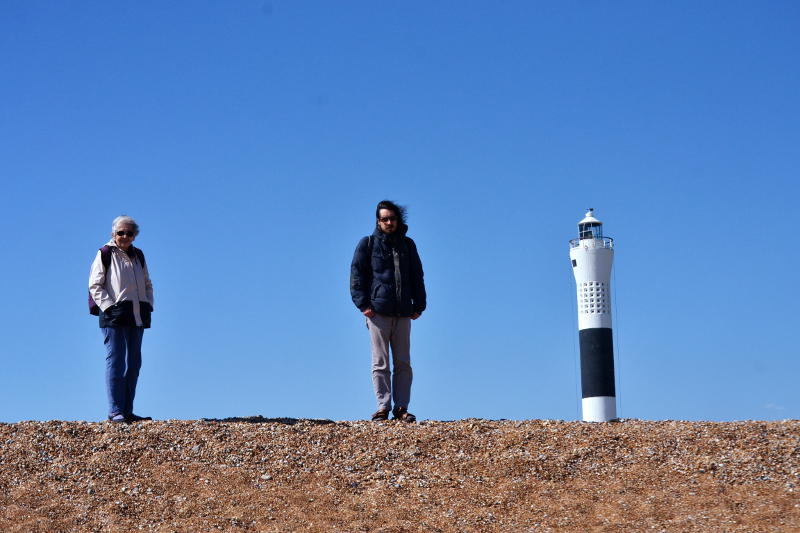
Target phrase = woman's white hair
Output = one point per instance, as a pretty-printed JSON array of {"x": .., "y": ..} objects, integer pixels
[{"x": 125, "y": 219}]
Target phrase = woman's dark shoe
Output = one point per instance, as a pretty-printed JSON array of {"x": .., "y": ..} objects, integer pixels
[
  {"x": 402, "y": 414},
  {"x": 380, "y": 414}
]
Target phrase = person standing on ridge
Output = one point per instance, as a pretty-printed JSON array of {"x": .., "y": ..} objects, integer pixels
[
  {"x": 387, "y": 286},
  {"x": 121, "y": 294}
]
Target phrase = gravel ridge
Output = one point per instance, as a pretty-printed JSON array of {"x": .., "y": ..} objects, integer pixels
[{"x": 286, "y": 474}]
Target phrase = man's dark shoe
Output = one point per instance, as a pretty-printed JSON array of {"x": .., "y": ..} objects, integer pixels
[
  {"x": 117, "y": 419},
  {"x": 380, "y": 414},
  {"x": 402, "y": 414},
  {"x": 136, "y": 418}
]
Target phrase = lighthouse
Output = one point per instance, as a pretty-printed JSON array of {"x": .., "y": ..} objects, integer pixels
[{"x": 592, "y": 255}]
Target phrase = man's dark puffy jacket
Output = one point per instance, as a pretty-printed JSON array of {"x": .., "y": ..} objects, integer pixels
[{"x": 391, "y": 280}]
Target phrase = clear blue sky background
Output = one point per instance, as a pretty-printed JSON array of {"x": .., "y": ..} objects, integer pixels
[{"x": 251, "y": 140}]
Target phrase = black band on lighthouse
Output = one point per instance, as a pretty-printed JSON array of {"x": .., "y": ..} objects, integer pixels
[{"x": 597, "y": 362}]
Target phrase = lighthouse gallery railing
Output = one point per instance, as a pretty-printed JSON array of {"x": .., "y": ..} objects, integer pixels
[{"x": 602, "y": 242}]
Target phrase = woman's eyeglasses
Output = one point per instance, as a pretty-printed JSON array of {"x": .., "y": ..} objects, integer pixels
[{"x": 125, "y": 233}]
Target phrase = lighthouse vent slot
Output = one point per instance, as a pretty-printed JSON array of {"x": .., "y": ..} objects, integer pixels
[{"x": 593, "y": 298}]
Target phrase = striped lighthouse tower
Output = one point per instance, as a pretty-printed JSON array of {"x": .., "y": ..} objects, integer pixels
[{"x": 592, "y": 255}]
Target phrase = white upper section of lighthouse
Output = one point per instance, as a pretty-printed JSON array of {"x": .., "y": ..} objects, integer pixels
[{"x": 592, "y": 256}]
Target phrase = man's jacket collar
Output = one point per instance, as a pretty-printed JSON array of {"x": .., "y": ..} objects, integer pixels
[{"x": 393, "y": 237}]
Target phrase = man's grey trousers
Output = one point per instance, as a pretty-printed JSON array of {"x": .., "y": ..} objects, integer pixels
[{"x": 394, "y": 331}]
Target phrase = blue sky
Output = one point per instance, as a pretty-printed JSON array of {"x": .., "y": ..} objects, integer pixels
[{"x": 251, "y": 140}]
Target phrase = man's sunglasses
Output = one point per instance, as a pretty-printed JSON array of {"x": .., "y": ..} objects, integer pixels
[
  {"x": 387, "y": 219},
  {"x": 125, "y": 233}
]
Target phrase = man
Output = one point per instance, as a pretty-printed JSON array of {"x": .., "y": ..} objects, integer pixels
[
  {"x": 387, "y": 286},
  {"x": 119, "y": 285}
]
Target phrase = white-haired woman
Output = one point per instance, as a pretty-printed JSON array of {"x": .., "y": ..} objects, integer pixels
[{"x": 120, "y": 288}]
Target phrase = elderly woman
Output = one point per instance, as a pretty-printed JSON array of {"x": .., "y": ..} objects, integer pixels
[{"x": 120, "y": 287}]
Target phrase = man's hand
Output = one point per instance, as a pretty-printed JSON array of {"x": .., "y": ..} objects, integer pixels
[
  {"x": 369, "y": 313},
  {"x": 415, "y": 316}
]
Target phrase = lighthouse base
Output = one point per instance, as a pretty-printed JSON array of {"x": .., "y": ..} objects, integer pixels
[{"x": 599, "y": 408}]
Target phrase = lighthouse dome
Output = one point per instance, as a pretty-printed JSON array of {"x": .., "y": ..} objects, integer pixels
[{"x": 589, "y": 218}]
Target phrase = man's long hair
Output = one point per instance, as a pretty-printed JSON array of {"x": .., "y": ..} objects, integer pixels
[{"x": 398, "y": 210}]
